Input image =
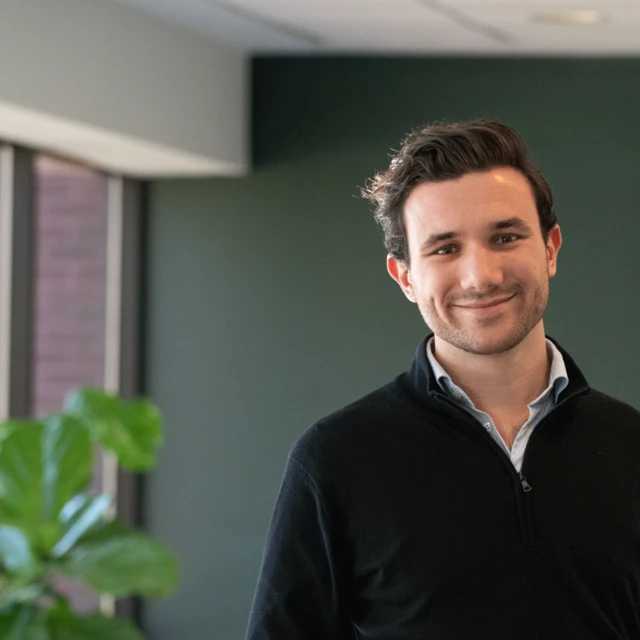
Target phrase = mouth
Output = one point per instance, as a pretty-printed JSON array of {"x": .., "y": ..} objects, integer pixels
[{"x": 487, "y": 307}]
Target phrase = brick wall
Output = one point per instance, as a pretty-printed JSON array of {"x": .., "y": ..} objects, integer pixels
[
  {"x": 69, "y": 312},
  {"x": 71, "y": 237}
]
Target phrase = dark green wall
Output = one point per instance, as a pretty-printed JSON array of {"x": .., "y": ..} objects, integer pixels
[{"x": 269, "y": 303}]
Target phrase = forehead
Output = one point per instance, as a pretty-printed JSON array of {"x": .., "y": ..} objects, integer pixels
[{"x": 470, "y": 202}]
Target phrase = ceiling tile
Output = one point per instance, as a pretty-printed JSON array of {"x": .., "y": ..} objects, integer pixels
[{"x": 500, "y": 27}]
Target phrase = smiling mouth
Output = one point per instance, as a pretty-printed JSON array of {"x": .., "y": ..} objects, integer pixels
[{"x": 487, "y": 305}]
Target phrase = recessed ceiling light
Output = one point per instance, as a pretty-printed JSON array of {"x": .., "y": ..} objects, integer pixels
[{"x": 569, "y": 18}]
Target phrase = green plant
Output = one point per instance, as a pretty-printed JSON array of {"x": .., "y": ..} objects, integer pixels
[{"x": 50, "y": 526}]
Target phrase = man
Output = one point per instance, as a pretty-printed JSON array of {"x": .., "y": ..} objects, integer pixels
[{"x": 487, "y": 492}]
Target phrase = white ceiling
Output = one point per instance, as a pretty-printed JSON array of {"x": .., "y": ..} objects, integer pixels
[{"x": 431, "y": 27}]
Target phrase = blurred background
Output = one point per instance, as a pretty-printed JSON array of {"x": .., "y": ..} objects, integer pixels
[{"x": 180, "y": 218}]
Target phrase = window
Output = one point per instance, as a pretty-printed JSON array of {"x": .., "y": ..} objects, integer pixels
[
  {"x": 70, "y": 281},
  {"x": 70, "y": 252},
  {"x": 70, "y": 274}
]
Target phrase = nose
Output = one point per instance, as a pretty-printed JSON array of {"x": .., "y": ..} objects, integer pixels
[{"x": 481, "y": 269}]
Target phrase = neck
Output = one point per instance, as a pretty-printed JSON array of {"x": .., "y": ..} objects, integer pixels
[{"x": 503, "y": 384}]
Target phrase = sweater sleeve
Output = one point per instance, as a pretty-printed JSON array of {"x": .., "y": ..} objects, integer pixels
[{"x": 298, "y": 596}]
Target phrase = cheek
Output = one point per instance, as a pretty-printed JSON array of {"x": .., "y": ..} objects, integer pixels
[
  {"x": 532, "y": 268},
  {"x": 433, "y": 287}
]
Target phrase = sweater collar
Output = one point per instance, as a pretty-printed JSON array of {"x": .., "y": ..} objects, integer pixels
[
  {"x": 420, "y": 380},
  {"x": 558, "y": 377}
]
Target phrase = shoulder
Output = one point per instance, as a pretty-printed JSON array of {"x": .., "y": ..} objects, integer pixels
[
  {"x": 606, "y": 405},
  {"x": 331, "y": 439},
  {"x": 607, "y": 415}
]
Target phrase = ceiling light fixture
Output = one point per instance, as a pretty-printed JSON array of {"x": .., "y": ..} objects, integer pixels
[{"x": 569, "y": 18}]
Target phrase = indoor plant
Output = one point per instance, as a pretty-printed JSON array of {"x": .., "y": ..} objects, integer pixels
[{"x": 50, "y": 525}]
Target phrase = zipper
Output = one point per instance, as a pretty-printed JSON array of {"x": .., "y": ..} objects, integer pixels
[
  {"x": 526, "y": 487},
  {"x": 524, "y": 502}
]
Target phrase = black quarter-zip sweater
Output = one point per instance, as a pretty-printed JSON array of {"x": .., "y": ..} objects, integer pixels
[{"x": 400, "y": 518}]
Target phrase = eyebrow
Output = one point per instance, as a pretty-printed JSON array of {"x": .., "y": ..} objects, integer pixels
[{"x": 499, "y": 225}]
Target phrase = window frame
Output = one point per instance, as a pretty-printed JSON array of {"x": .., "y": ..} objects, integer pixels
[{"x": 123, "y": 375}]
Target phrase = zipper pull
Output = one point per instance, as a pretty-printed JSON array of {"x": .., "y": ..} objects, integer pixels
[{"x": 526, "y": 487}]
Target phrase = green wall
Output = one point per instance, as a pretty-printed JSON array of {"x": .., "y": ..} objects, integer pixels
[{"x": 269, "y": 303}]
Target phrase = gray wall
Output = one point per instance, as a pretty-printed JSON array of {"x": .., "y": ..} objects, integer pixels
[{"x": 269, "y": 303}]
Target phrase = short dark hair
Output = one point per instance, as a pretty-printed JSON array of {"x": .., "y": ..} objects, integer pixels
[{"x": 442, "y": 152}]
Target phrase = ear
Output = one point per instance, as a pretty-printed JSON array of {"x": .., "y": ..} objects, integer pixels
[
  {"x": 554, "y": 242},
  {"x": 401, "y": 273}
]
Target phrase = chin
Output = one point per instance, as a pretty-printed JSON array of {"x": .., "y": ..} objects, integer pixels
[
  {"x": 490, "y": 348},
  {"x": 495, "y": 340}
]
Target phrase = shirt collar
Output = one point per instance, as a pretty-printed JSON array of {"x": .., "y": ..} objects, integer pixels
[
  {"x": 558, "y": 377},
  {"x": 419, "y": 383}
]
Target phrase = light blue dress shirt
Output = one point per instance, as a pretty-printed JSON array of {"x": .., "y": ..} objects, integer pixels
[{"x": 538, "y": 408}]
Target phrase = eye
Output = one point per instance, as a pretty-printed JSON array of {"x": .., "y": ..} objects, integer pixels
[
  {"x": 445, "y": 251},
  {"x": 509, "y": 238}
]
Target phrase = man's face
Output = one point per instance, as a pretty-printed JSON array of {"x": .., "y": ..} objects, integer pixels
[{"x": 474, "y": 242}]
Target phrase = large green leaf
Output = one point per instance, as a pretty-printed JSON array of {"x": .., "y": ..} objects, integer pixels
[
  {"x": 7, "y": 620},
  {"x": 21, "y": 470},
  {"x": 16, "y": 554},
  {"x": 73, "y": 507},
  {"x": 67, "y": 462},
  {"x": 131, "y": 430},
  {"x": 123, "y": 564},
  {"x": 67, "y": 626},
  {"x": 105, "y": 531},
  {"x": 12, "y": 595},
  {"x": 78, "y": 516},
  {"x": 23, "y": 623},
  {"x": 8, "y": 426}
]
